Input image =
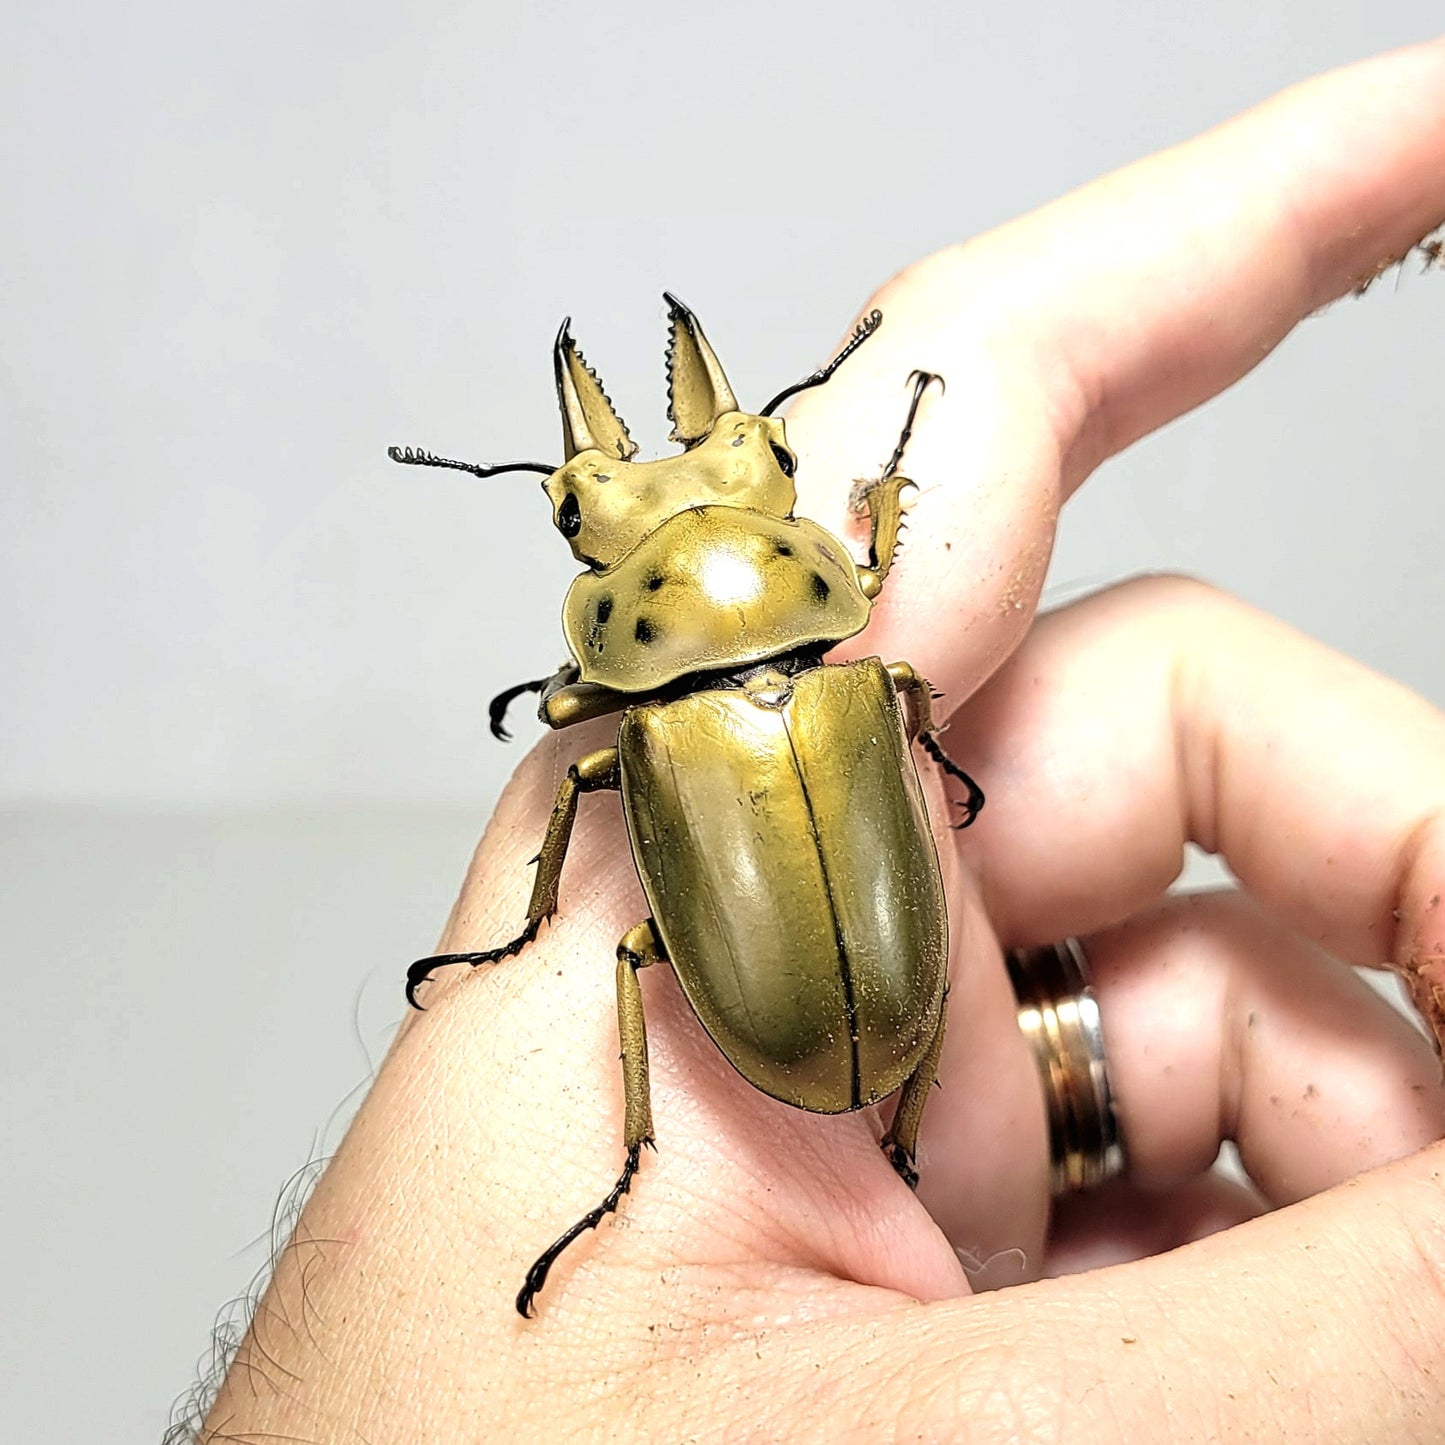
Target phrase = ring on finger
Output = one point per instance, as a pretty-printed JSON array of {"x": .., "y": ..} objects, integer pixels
[{"x": 1058, "y": 1013}]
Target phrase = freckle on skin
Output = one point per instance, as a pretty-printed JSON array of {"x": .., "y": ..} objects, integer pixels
[{"x": 1311, "y": 1092}]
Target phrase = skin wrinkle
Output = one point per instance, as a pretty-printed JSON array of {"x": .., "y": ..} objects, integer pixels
[
  {"x": 1422, "y": 1241},
  {"x": 1234, "y": 1025},
  {"x": 1199, "y": 768},
  {"x": 1001, "y": 1403},
  {"x": 1403, "y": 1254}
]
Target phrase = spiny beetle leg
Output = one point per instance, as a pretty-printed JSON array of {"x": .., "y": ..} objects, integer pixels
[
  {"x": 638, "y": 948},
  {"x": 588, "y": 774},
  {"x": 919, "y": 719},
  {"x": 883, "y": 499},
  {"x": 973, "y": 804},
  {"x": 537, "y": 1275},
  {"x": 422, "y": 969}
]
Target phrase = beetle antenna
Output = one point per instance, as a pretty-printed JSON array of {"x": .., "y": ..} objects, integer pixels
[
  {"x": 417, "y": 457},
  {"x": 865, "y": 328}
]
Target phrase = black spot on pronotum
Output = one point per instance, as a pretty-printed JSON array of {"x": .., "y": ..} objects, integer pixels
[
  {"x": 569, "y": 516},
  {"x": 738, "y": 441},
  {"x": 787, "y": 462},
  {"x": 644, "y": 632},
  {"x": 782, "y": 549},
  {"x": 655, "y": 581},
  {"x": 604, "y": 609},
  {"x": 820, "y": 587},
  {"x": 601, "y": 477}
]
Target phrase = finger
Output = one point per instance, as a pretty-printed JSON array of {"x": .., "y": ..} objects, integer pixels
[
  {"x": 1321, "y": 1319},
  {"x": 1069, "y": 333},
  {"x": 1224, "y": 1025},
  {"x": 1162, "y": 712},
  {"x": 1184, "y": 271},
  {"x": 1123, "y": 1221}
]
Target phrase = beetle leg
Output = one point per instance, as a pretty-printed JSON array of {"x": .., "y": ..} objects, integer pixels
[
  {"x": 971, "y": 805},
  {"x": 900, "y": 1143},
  {"x": 497, "y": 708},
  {"x": 589, "y": 774},
  {"x": 573, "y": 702},
  {"x": 883, "y": 499},
  {"x": 918, "y": 711},
  {"x": 547, "y": 686},
  {"x": 639, "y": 947}
]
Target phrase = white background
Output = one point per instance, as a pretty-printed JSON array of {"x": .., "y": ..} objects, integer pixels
[{"x": 242, "y": 742}]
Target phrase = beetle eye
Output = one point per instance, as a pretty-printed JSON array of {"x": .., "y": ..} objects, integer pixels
[
  {"x": 569, "y": 516},
  {"x": 787, "y": 462}
]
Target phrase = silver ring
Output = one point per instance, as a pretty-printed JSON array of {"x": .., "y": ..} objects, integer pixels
[{"x": 1059, "y": 1016}]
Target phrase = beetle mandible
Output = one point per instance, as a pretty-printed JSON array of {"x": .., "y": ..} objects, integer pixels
[{"x": 773, "y": 807}]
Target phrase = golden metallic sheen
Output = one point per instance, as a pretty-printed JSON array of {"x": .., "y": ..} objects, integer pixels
[
  {"x": 618, "y": 503},
  {"x": 716, "y": 587},
  {"x": 771, "y": 799},
  {"x": 589, "y": 420},
  {"x": 788, "y": 862}
]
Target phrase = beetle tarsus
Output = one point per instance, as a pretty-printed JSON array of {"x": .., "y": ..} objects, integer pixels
[
  {"x": 921, "y": 380},
  {"x": 972, "y": 805},
  {"x": 497, "y": 708},
  {"x": 537, "y": 1275},
  {"x": 423, "y": 968},
  {"x": 902, "y": 1162}
]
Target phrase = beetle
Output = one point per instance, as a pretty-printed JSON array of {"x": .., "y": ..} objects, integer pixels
[{"x": 771, "y": 800}]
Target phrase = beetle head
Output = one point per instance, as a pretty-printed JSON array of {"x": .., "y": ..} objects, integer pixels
[{"x": 604, "y": 503}]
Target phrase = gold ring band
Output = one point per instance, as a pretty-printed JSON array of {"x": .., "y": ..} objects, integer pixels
[{"x": 1059, "y": 1016}]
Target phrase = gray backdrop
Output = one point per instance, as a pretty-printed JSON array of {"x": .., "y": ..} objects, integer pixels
[{"x": 243, "y": 749}]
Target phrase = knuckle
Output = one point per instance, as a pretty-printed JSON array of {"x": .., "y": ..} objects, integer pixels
[{"x": 1177, "y": 591}]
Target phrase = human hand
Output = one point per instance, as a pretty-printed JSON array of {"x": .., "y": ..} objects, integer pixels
[{"x": 770, "y": 1277}]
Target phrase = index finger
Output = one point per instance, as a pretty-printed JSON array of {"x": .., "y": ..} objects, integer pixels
[{"x": 1068, "y": 334}]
